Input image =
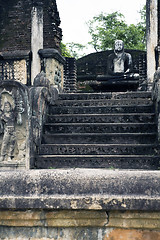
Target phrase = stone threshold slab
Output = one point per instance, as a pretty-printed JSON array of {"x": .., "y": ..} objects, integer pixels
[{"x": 77, "y": 189}]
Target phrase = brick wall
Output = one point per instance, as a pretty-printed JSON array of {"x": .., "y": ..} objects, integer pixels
[
  {"x": 52, "y": 32},
  {"x": 15, "y": 24},
  {"x": 158, "y": 23}
]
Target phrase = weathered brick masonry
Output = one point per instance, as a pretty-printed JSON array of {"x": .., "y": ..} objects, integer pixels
[
  {"x": 15, "y": 24},
  {"x": 159, "y": 23}
]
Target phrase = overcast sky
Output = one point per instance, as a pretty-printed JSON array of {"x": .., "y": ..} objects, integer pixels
[{"x": 75, "y": 13}]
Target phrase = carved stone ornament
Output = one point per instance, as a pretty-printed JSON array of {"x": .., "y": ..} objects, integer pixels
[
  {"x": 156, "y": 97},
  {"x": 42, "y": 93},
  {"x": 14, "y": 125}
]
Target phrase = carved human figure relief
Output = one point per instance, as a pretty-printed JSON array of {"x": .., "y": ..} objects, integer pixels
[
  {"x": 9, "y": 138},
  {"x": 10, "y": 115}
]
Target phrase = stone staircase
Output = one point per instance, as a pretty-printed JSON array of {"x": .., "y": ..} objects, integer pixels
[{"x": 100, "y": 130}]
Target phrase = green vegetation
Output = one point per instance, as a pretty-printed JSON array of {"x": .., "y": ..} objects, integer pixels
[
  {"x": 106, "y": 28},
  {"x": 64, "y": 50},
  {"x": 75, "y": 49},
  {"x": 72, "y": 49}
]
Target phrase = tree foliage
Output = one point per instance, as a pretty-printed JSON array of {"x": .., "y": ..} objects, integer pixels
[
  {"x": 106, "y": 28},
  {"x": 72, "y": 50},
  {"x": 76, "y": 49},
  {"x": 64, "y": 50}
]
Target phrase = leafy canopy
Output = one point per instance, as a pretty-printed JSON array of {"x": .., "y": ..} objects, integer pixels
[
  {"x": 64, "y": 50},
  {"x": 106, "y": 28}
]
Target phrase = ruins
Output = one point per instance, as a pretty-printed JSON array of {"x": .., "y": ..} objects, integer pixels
[{"x": 76, "y": 165}]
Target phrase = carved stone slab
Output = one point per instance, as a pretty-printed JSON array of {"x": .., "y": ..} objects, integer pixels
[
  {"x": 14, "y": 126},
  {"x": 100, "y": 128},
  {"x": 97, "y": 149},
  {"x": 102, "y": 118},
  {"x": 101, "y": 110}
]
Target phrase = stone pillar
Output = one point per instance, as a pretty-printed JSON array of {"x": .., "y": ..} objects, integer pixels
[
  {"x": 52, "y": 63},
  {"x": 152, "y": 37},
  {"x": 36, "y": 39},
  {"x": 70, "y": 74}
]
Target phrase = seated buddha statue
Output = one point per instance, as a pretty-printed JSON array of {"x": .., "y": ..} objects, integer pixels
[
  {"x": 119, "y": 62},
  {"x": 120, "y": 75}
]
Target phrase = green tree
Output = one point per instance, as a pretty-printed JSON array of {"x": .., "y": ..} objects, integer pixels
[
  {"x": 106, "y": 28},
  {"x": 76, "y": 49},
  {"x": 72, "y": 50},
  {"x": 64, "y": 50}
]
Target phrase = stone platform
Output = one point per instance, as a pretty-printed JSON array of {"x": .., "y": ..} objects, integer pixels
[
  {"x": 114, "y": 85},
  {"x": 77, "y": 189}
]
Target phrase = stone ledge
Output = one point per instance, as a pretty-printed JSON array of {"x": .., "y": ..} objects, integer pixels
[
  {"x": 33, "y": 218},
  {"x": 77, "y": 189},
  {"x": 52, "y": 53},
  {"x": 15, "y": 55},
  {"x": 83, "y": 218}
]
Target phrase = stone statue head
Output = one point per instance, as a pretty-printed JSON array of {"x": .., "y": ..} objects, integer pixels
[
  {"x": 7, "y": 107},
  {"x": 119, "y": 46}
]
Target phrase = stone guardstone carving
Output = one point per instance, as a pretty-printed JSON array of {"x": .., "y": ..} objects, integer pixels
[
  {"x": 14, "y": 126},
  {"x": 156, "y": 97},
  {"x": 42, "y": 93}
]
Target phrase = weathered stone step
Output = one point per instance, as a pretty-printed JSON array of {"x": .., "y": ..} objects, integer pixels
[
  {"x": 102, "y": 118},
  {"x": 109, "y": 95},
  {"x": 132, "y": 138},
  {"x": 101, "y": 161},
  {"x": 103, "y": 110},
  {"x": 101, "y": 103},
  {"x": 100, "y": 127},
  {"x": 97, "y": 149}
]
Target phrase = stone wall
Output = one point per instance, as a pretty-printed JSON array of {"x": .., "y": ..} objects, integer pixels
[
  {"x": 79, "y": 225},
  {"x": 79, "y": 205},
  {"x": 96, "y": 63}
]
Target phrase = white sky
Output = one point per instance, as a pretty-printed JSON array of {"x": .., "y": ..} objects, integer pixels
[{"x": 75, "y": 13}]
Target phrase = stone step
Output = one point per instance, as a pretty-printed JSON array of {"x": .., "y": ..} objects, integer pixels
[
  {"x": 102, "y": 110},
  {"x": 98, "y": 149},
  {"x": 100, "y": 127},
  {"x": 102, "y": 118},
  {"x": 109, "y": 95},
  {"x": 109, "y": 138},
  {"x": 101, "y": 103},
  {"x": 101, "y": 161}
]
